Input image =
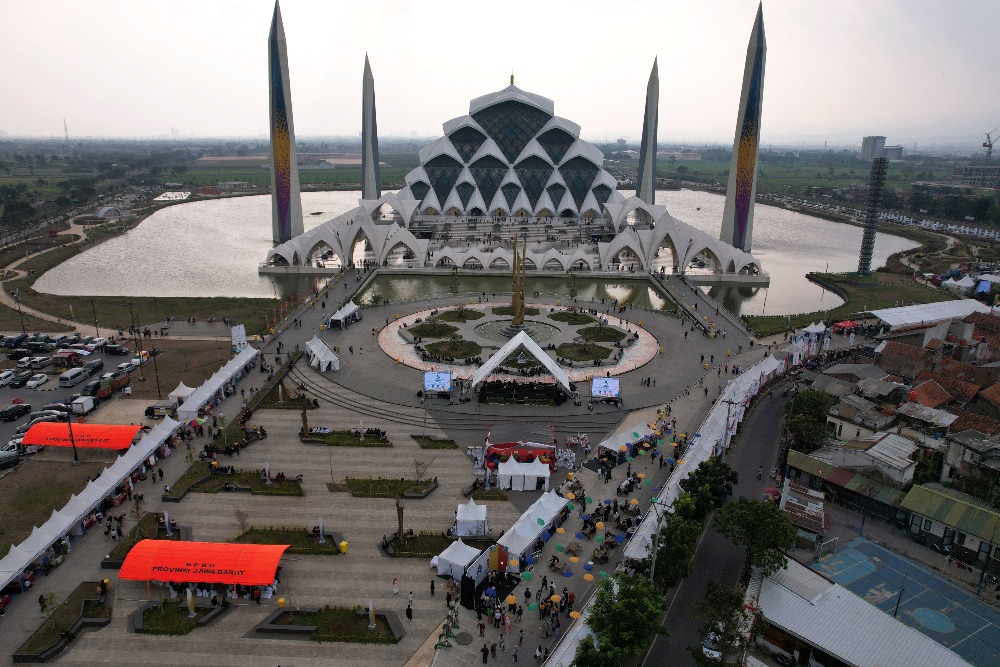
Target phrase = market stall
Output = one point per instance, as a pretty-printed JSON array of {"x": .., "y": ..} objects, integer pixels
[
  {"x": 452, "y": 561},
  {"x": 470, "y": 520},
  {"x": 321, "y": 357}
]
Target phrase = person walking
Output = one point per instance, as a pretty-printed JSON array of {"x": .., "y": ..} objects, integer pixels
[
  {"x": 513, "y": 655},
  {"x": 409, "y": 598},
  {"x": 482, "y": 629},
  {"x": 395, "y": 586},
  {"x": 432, "y": 591},
  {"x": 538, "y": 655},
  {"x": 485, "y": 650},
  {"x": 409, "y": 613},
  {"x": 760, "y": 472},
  {"x": 520, "y": 637},
  {"x": 493, "y": 650}
]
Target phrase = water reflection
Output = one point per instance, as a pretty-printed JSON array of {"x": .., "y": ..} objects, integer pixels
[{"x": 213, "y": 248}]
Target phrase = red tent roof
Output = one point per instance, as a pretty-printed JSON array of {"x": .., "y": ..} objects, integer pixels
[
  {"x": 209, "y": 562},
  {"x": 102, "y": 436}
]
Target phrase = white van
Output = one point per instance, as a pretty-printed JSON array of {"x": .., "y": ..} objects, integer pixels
[{"x": 72, "y": 377}]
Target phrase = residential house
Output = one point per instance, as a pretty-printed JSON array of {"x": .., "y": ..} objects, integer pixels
[
  {"x": 907, "y": 361},
  {"x": 954, "y": 519},
  {"x": 961, "y": 391},
  {"x": 846, "y": 486},
  {"x": 972, "y": 464},
  {"x": 854, "y": 417}
]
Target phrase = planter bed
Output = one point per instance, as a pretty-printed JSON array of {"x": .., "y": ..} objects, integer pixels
[
  {"x": 386, "y": 487},
  {"x": 333, "y": 624},
  {"x": 428, "y": 545},
  {"x": 150, "y": 527},
  {"x": 78, "y": 611},
  {"x": 303, "y": 541},
  {"x": 430, "y": 442},
  {"x": 251, "y": 480},
  {"x": 170, "y": 617},
  {"x": 343, "y": 439},
  {"x": 575, "y": 319}
]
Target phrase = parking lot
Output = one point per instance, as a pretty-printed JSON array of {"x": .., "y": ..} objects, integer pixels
[{"x": 50, "y": 392}]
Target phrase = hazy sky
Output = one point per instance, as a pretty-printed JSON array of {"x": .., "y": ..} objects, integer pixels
[{"x": 914, "y": 70}]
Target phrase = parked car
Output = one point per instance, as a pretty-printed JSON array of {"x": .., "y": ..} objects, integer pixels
[
  {"x": 20, "y": 379},
  {"x": 40, "y": 362},
  {"x": 23, "y": 428},
  {"x": 37, "y": 381},
  {"x": 117, "y": 350},
  {"x": 99, "y": 343},
  {"x": 56, "y": 407},
  {"x": 14, "y": 412},
  {"x": 125, "y": 367},
  {"x": 6, "y": 377},
  {"x": 18, "y": 353},
  {"x": 15, "y": 341},
  {"x": 25, "y": 362},
  {"x": 93, "y": 366}
]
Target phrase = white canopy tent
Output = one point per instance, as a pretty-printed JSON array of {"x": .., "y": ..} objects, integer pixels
[
  {"x": 180, "y": 394},
  {"x": 521, "y": 339},
  {"x": 204, "y": 393},
  {"x": 339, "y": 317},
  {"x": 527, "y": 528},
  {"x": 929, "y": 313},
  {"x": 510, "y": 475},
  {"x": 79, "y": 506},
  {"x": 817, "y": 328},
  {"x": 534, "y": 472},
  {"x": 452, "y": 561},
  {"x": 470, "y": 520},
  {"x": 321, "y": 357}
]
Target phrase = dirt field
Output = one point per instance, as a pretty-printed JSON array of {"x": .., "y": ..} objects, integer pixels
[
  {"x": 192, "y": 361},
  {"x": 30, "y": 492}
]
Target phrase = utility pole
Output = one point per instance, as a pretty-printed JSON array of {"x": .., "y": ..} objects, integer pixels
[
  {"x": 93, "y": 307},
  {"x": 138, "y": 340},
  {"x": 72, "y": 440},
  {"x": 17, "y": 300}
]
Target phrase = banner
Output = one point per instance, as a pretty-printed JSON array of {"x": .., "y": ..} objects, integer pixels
[{"x": 239, "y": 337}]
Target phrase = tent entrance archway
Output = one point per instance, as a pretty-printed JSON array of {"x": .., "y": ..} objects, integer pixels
[
  {"x": 500, "y": 263},
  {"x": 707, "y": 261},
  {"x": 627, "y": 258}
]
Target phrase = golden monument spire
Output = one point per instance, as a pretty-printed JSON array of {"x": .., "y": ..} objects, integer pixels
[{"x": 517, "y": 286}]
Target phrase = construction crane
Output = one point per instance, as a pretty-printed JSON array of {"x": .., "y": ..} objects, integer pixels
[{"x": 988, "y": 144}]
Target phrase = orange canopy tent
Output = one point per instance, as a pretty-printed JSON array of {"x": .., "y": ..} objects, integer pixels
[
  {"x": 208, "y": 562},
  {"x": 97, "y": 436}
]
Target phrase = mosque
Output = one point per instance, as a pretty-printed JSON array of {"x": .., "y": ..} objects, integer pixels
[{"x": 511, "y": 166}]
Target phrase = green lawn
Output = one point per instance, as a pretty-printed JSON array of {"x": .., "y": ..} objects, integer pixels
[
  {"x": 463, "y": 315},
  {"x": 431, "y": 330},
  {"x": 575, "y": 352},
  {"x": 340, "y": 624},
  {"x": 348, "y": 439},
  {"x": 604, "y": 334},
  {"x": 430, "y": 442},
  {"x": 64, "y": 616},
  {"x": 169, "y": 618},
  {"x": 459, "y": 349},
  {"x": 428, "y": 545},
  {"x": 383, "y": 487},
  {"x": 301, "y": 539},
  {"x": 893, "y": 290},
  {"x": 571, "y": 318},
  {"x": 277, "y": 487}
]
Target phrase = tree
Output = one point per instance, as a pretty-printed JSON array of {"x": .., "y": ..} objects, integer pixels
[
  {"x": 721, "y": 609},
  {"x": 762, "y": 528},
  {"x": 709, "y": 485},
  {"x": 454, "y": 338},
  {"x": 242, "y": 520},
  {"x": 675, "y": 555},
  {"x": 805, "y": 419},
  {"x": 420, "y": 468},
  {"x": 625, "y": 617}
]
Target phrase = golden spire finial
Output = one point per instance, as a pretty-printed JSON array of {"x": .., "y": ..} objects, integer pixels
[{"x": 512, "y": 77}]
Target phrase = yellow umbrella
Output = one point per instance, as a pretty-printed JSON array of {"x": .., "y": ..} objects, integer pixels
[
  {"x": 560, "y": 530},
  {"x": 588, "y": 577},
  {"x": 556, "y": 598},
  {"x": 571, "y": 495},
  {"x": 600, "y": 525},
  {"x": 642, "y": 475},
  {"x": 623, "y": 448},
  {"x": 574, "y": 614},
  {"x": 574, "y": 559},
  {"x": 513, "y": 562},
  {"x": 633, "y": 502},
  {"x": 511, "y": 599}
]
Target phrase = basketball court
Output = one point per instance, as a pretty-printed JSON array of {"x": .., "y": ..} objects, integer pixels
[{"x": 929, "y": 603}]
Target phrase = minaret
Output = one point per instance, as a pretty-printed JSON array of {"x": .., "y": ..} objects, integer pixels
[
  {"x": 286, "y": 203},
  {"x": 646, "y": 184},
  {"x": 371, "y": 182},
  {"x": 737, "y": 217}
]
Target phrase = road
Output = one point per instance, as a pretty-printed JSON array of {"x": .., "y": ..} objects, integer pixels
[{"x": 716, "y": 558}]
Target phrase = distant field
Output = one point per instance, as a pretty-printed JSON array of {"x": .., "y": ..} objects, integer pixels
[
  {"x": 203, "y": 176},
  {"x": 782, "y": 179}
]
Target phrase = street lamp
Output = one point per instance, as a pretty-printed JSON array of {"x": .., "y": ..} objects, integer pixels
[{"x": 72, "y": 441}]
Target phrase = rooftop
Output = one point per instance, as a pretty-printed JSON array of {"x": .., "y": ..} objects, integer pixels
[
  {"x": 954, "y": 508},
  {"x": 894, "y": 350},
  {"x": 926, "y": 415},
  {"x": 859, "y": 371},
  {"x": 844, "y": 625},
  {"x": 804, "y": 507},
  {"x": 931, "y": 394},
  {"x": 848, "y": 479},
  {"x": 962, "y": 391},
  {"x": 889, "y": 448},
  {"x": 929, "y": 312},
  {"x": 971, "y": 421}
]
